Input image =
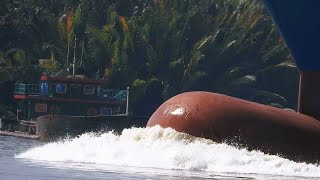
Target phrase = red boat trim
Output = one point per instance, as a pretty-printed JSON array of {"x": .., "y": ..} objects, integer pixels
[{"x": 23, "y": 97}]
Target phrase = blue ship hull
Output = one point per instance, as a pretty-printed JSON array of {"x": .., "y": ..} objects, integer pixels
[{"x": 299, "y": 24}]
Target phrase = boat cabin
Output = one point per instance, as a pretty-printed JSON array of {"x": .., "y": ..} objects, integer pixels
[{"x": 72, "y": 96}]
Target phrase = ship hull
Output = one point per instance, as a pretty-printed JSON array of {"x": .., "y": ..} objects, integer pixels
[
  {"x": 51, "y": 127},
  {"x": 254, "y": 126},
  {"x": 298, "y": 23}
]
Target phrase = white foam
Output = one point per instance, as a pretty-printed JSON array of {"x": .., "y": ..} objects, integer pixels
[{"x": 165, "y": 148}]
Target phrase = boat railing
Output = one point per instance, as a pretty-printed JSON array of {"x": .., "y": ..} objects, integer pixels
[
  {"x": 30, "y": 89},
  {"x": 114, "y": 94},
  {"x": 42, "y": 89}
]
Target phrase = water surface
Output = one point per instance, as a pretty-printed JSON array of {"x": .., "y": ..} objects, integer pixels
[{"x": 142, "y": 153}]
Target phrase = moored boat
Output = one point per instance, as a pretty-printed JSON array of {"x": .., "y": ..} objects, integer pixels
[{"x": 60, "y": 106}]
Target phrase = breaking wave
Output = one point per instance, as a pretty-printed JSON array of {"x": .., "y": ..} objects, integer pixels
[{"x": 157, "y": 147}]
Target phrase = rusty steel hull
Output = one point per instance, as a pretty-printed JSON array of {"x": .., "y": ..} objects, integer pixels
[{"x": 255, "y": 126}]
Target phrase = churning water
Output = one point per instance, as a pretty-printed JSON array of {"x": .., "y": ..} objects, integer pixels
[{"x": 155, "y": 153}]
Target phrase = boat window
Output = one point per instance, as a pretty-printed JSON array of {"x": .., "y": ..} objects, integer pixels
[
  {"x": 89, "y": 89},
  {"x": 44, "y": 88},
  {"x": 106, "y": 111},
  {"x": 61, "y": 88},
  {"x": 40, "y": 107}
]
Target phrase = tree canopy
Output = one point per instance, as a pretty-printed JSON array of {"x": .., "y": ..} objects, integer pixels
[{"x": 159, "y": 48}]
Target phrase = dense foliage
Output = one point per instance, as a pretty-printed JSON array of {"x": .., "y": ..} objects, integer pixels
[{"x": 159, "y": 47}]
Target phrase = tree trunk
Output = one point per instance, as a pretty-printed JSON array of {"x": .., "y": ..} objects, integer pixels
[{"x": 68, "y": 56}]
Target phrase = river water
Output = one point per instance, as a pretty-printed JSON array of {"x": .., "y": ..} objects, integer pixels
[{"x": 141, "y": 153}]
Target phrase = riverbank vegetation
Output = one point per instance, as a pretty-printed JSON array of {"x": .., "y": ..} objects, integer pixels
[{"x": 159, "y": 48}]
